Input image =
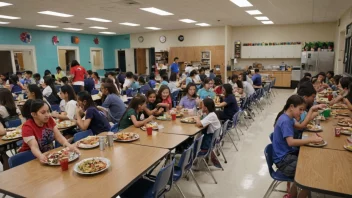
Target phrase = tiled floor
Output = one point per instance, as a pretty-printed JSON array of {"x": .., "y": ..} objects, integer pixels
[{"x": 246, "y": 173}]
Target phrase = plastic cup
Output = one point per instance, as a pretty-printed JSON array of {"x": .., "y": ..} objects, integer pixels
[
  {"x": 64, "y": 163},
  {"x": 149, "y": 130},
  {"x": 173, "y": 116},
  {"x": 337, "y": 132},
  {"x": 330, "y": 97},
  {"x": 327, "y": 113}
]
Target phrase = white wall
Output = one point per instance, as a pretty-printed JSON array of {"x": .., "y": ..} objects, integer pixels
[
  {"x": 281, "y": 33},
  {"x": 228, "y": 48},
  {"x": 345, "y": 19},
  {"x": 193, "y": 37}
]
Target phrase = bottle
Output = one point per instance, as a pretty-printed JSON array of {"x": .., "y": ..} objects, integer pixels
[{"x": 195, "y": 111}]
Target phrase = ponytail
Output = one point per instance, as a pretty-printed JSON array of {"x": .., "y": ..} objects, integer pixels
[{"x": 294, "y": 100}]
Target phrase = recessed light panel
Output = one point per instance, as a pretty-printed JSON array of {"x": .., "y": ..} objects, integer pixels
[
  {"x": 157, "y": 11},
  {"x": 72, "y": 29},
  {"x": 47, "y": 26},
  {"x": 99, "y": 28},
  {"x": 262, "y": 18},
  {"x": 187, "y": 20},
  {"x": 267, "y": 22},
  {"x": 152, "y": 28},
  {"x": 3, "y": 4},
  {"x": 4, "y": 23},
  {"x": 9, "y": 17},
  {"x": 58, "y": 14},
  {"x": 254, "y": 12},
  {"x": 242, "y": 3},
  {"x": 99, "y": 20},
  {"x": 203, "y": 24},
  {"x": 111, "y": 33},
  {"x": 129, "y": 24}
]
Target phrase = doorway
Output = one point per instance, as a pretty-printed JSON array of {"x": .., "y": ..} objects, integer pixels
[
  {"x": 66, "y": 54},
  {"x": 121, "y": 54},
  {"x": 23, "y": 61},
  {"x": 17, "y": 58},
  {"x": 6, "y": 63},
  {"x": 141, "y": 61}
]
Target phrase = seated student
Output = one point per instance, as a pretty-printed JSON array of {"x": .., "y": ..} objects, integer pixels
[
  {"x": 64, "y": 81},
  {"x": 163, "y": 99},
  {"x": 34, "y": 92},
  {"x": 192, "y": 79},
  {"x": 284, "y": 154},
  {"x": 257, "y": 80},
  {"x": 189, "y": 101},
  {"x": 173, "y": 82},
  {"x": 202, "y": 75},
  {"x": 165, "y": 80},
  {"x": 112, "y": 103},
  {"x": 152, "y": 81},
  {"x": 96, "y": 79},
  {"x": 8, "y": 108},
  {"x": 27, "y": 80},
  {"x": 37, "y": 79},
  {"x": 128, "y": 81},
  {"x": 229, "y": 104},
  {"x": 335, "y": 82},
  {"x": 49, "y": 90},
  {"x": 133, "y": 112},
  {"x": 329, "y": 77},
  {"x": 120, "y": 76},
  {"x": 111, "y": 78},
  {"x": 318, "y": 86},
  {"x": 306, "y": 77},
  {"x": 89, "y": 84},
  {"x": 40, "y": 130},
  {"x": 343, "y": 87},
  {"x": 151, "y": 108},
  {"x": 145, "y": 87},
  {"x": 68, "y": 96},
  {"x": 211, "y": 123},
  {"x": 206, "y": 92},
  {"x": 348, "y": 98},
  {"x": 135, "y": 84},
  {"x": 236, "y": 84},
  {"x": 94, "y": 119},
  {"x": 218, "y": 86},
  {"x": 59, "y": 73},
  {"x": 211, "y": 74},
  {"x": 15, "y": 85},
  {"x": 247, "y": 87}
]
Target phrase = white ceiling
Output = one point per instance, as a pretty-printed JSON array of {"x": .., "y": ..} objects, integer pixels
[{"x": 208, "y": 11}]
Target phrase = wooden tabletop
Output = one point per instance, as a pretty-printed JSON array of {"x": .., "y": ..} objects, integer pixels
[
  {"x": 128, "y": 163},
  {"x": 325, "y": 170},
  {"x": 179, "y": 128},
  {"x": 157, "y": 139},
  {"x": 5, "y": 142},
  {"x": 328, "y": 134}
]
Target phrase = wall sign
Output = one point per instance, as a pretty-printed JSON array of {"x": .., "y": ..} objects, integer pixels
[
  {"x": 162, "y": 39},
  {"x": 181, "y": 38}
]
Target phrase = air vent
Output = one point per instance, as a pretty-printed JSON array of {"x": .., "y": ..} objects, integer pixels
[
  {"x": 128, "y": 2},
  {"x": 65, "y": 22}
]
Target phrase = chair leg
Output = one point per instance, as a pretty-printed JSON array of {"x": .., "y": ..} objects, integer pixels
[
  {"x": 237, "y": 133},
  {"x": 270, "y": 189},
  {"x": 222, "y": 153},
  {"x": 222, "y": 167},
  {"x": 179, "y": 189},
  {"x": 195, "y": 181},
  {"x": 211, "y": 174},
  {"x": 240, "y": 129},
  {"x": 233, "y": 142}
]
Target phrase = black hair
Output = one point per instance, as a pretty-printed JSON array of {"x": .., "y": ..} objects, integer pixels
[
  {"x": 244, "y": 77},
  {"x": 26, "y": 109},
  {"x": 36, "y": 76},
  {"x": 294, "y": 100},
  {"x": 32, "y": 106},
  {"x": 321, "y": 73},
  {"x": 64, "y": 80},
  {"x": 70, "y": 92},
  {"x": 211, "y": 71},
  {"x": 176, "y": 58},
  {"x": 141, "y": 80},
  {"x": 193, "y": 73},
  {"x": 137, "y": 100},
  {"x": 58, "y": 68},
  {"x": 47, "y": 73},
  {"x": 331, "y": 73},
  {"x": 306, "y": 89},
  {"x": 13, "y": 79},
  {"x": 36, "y": 90},
  {"x": 256, "y": 70},
  {"x": 85, "y": 96},
  {"x": 111, "y": 89},
  {"x": 135, "y": 77},
  {"x": 74, "y": 63},
  {"x": 96, "y": 74},
  {"x": 173, "y": 77},
  {"x": 160, "y": 91},
  {"x": 151, "y": 77},
  {"x": 217, "y": 81},
  {"x": 238, "y": 82},
  {"x": 228, "y": 89},
  {"x": 129, "y": 74},
  {"x": 201, "y": 69},
  {"x": 337, "y": 79},
  {"x": 165, "y": 78},
  {"x": 6, "y": 100},
  {"x": 207, "y": 80},
  {"x": 150, "y": 92},
  {"x": 209, "y": 104},
  {"x": 349, "y": 94},
  {"x": 307, "y": 75},
  {"x": 118, "y": 70},
  {"x": 49, "y": 81},
  {"x": 28, "y": 72},
  {"x": 345, "y": 82},
  {"x": 189, "y": 86},
  {"x": 109, "y": 80},
  {"x": 89, "y": 72},
  {"x": 112, "y": 73}
]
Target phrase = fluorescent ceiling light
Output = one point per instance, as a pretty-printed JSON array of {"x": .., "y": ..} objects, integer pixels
[
  {"x": 3, "y": 4},
  {"x": 267, "y": 22},
  {"x": 157, "y": 11},
  {"x": 262, "y": 18},
  {"x": 9, "y": 17},
  {"x": 73, "y": 29},
  {"x": 202, "y": 24},
  {"x": 254, "y": 12},
  {"x": 100, "y": 20},
  {"x": 100, "y": 28},
  {"x": 241, "y": 3},
  {"x": 55, "y": 14},
  {"x": 153, "y": 28},
  {"x": 3, "y": 23},
  {"x": 129, "y": 24},
  {"x": 187, "y": 20},
  {"x": 107, "y": 32},
  {"x": 47, "y": 26}
]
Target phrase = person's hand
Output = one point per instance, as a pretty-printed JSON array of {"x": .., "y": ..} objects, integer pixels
[
  {"x": 73, "y": 148},
  {"x": 43, "y": 158},
  {"x": 319, "y": 106},
  {"x": 315, "y": 139},
  {"x": 161, "y": 110},
  {"x": 150, "y": 118},
  {"x": 154, "y": 111},
  {"x": 315, "y": 114}
]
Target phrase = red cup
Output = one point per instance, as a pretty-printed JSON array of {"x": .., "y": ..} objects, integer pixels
[
  {"x": 173, "y": 116},
  {"x": 149, "y": 130},
  {"x": 337, "y": 132},
  {"x": 64, "y": 163},
  {"x": 330, "y": 97}
]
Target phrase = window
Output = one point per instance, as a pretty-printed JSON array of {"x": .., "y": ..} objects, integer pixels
[{"x": 97, "y": 58}]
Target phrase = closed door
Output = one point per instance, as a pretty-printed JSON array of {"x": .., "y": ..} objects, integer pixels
[
  {"x": 121, "y": 54},
  {"x": 6, "y": 63},
  {"x": 141, "y": 61}
]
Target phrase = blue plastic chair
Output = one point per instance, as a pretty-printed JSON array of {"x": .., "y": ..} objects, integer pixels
[
  {"x": 152, "y": 189},
  {"x": 21, "y": 158},
  {"x": 234, "y": 123},
  {"x": 174, "y": 96},
  {"x": 276, "y": 175},
  {"x": 271, "y": 136},
  {"x": 196, "y": 148},
  {"x": 94, "y": 92},
  {"x": 13, "y": 123},
  {"x": 56, "y": 107},
  {"x": 144, "y": 89},
  {"x": 115, "y": 128},
  {"x": 225, "y": 131},
  {"x": 180, "y": 168},
  {"x": 82, "y": 134}
]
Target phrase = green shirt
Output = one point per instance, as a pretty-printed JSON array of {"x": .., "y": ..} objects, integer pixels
[{"x": 126, "y": 120}]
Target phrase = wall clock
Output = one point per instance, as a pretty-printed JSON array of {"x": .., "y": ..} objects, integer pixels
[
  {"x": 140, "y": 39},
  {"x": 181, "y": 38},
  {"x": 162, "y": 39}
]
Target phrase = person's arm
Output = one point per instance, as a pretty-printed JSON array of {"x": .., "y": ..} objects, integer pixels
[
  {"x": 348, "y": 103},
  {"x": 198, "y": 122},
  {"x": 336, "y": 100},
  {"x": 82, "y": 124},
  {"x": 223, "y": 104},
  {"x": 2, "y": 129},
  {"x": 63, "y": 141},
  {"x": 300, "y": 142},
  {"x": 33, "y": 145},
  {"x": 61, "y": 116},
  {"x": 138, "y": 124},
  {"x": 150, "y": 112},
  {"x": 310, "y": 116}
]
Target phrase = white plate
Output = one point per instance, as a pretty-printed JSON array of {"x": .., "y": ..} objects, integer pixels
[
  {"x": 72, "y": 156},
  {"x": 87, "y": 146},
  {"x": 107, "y": 161},
  {"x": 344, "y": 146},
  {"x": 6, "y": 138},
  {"x": 320, "y": 145},
  {"x": 131, "y": 140},
  {"x": 319, "y": 129},
  {"x": 163, "y": 118}
]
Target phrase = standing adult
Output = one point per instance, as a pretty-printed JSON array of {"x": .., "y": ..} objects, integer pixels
[
  {"x": 174, "y": 66},
  {"x": 257, "y": 80},
  {"x": 77, "y": 72}
]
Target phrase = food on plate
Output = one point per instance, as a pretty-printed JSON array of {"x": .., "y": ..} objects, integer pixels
[
  {"x": 164, "y": 117},
  {"x": 12, "y": 135},
  {"x": 65, "y": 124},
  {"x": 54, "y": 158},
  {"x": 339, "y": 106},
  {"x": 92, "y": 166},
  {"x": 90, "y": 140},
  {"x": 322, "y": 118},
  {"x": 154, "y": 125},
  {"x": 127, "y": 136},
  {"x": 345, "y": 122},
  {"x": 189, "y": 120},
  {"x": 319, "y": 143},
  {"x": 346, "y": 130},
  {"x": 313, "y": 127}
]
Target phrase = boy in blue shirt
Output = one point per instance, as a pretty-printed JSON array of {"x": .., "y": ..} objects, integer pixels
[{"x": 174, "y": 66}]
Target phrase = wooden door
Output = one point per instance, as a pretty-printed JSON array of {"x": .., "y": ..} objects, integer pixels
[
  {"x": 141, "y": 61},
  {"x": 19, "y": 58}
]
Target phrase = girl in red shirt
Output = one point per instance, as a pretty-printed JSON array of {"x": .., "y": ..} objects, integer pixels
[{"x": 40, "y": 130}]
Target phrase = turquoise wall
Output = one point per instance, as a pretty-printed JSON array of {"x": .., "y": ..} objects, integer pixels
[{"x": 46, "y": 52}]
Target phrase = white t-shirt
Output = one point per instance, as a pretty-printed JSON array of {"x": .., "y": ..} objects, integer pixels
[
  {"x": 70, "y": 109},
  {"x": 172, "y": 86},
  {"x": 4, "y": 113},
  {"x": 248, "y": 88},
  {"x": 62, "y": 105},
  {"x": 127, "y": 83},
  {"x": 212, "y": 121},
  {"x": 249, "y": 80},
  {"x": 47, "y": 91}
]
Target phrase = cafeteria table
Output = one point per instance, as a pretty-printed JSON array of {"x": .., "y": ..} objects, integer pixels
[
  {"x": 325, "y": 171},
  {"x": 128, "y": 163},
  {"x": 178, "y": 128}
]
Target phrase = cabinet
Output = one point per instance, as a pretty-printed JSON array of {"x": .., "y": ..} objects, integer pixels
[
  {"x": 277, "y": 51},
  {"x": 283, "y": 78}
]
